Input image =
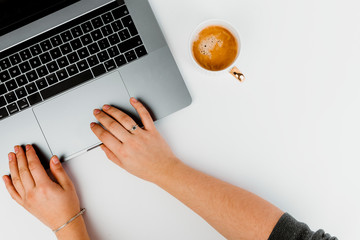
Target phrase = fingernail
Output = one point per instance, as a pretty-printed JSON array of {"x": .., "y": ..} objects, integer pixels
[
  {"x": 106, "y": 107},
  {"x": 27, "y": 147},
  {"x": 10, "y": 157},
  {"x": 96, "y": 111},
  {"x": 92, "y": 124},
  {"x": 4, "y": 178},
  {"x": 134, "y": 100},
  {"x": 16, "y": 149},
  {"x": 55, "y": 160}
]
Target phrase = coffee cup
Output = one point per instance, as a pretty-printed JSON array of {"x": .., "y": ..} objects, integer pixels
[{"x": 215, "y": 46}]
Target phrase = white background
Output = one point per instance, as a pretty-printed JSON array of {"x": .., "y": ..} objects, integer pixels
[{"x": 289, "y": 133}]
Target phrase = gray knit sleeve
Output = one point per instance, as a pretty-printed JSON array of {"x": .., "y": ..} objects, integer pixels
[{"x": 288, "y": 228}]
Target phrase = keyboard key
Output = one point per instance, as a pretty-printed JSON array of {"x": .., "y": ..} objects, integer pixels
[
  {"x": 12, "y": 108},
  {"x": 120, "y": 12},
  {"x": 124, "y": 34},
  {"x": 114, "y": 39},
  {"x": 14, "y": 71},
  {"x": 3, "y": 113},
  {"x": 96, "y": 35},
  {"x": 21, "y": 80},
  {"x": 120, "y": 60},
  {"x": 35, "y": 50},
  {"x": 45, "y": 45},
  {"x": 45, "y": 58},
  {"x": 20, "y": 93},
  {"x": 82, "y": 65},
  {"x": 67, "y": 84},
  {"x": 23, "y": 103},
  {"x": 130, "y": 56},
  {"x": 72, "y": 70},
  {"x": 103, "y": 56},
  {"x": 129, "y": 23},
  {"x": 56, "y": 40},
  {"x": 62, "y": 74},
  {"x": 2, "y": 89},
  {"x": 73, "y": 57},
  {"x": 140, "y": 51},
  {"x": 35, "y": 62},
  {"x": 92, "y": 60},
  {"x": 97, "y": 22},
  {"x": 86, "y": 39},
  {"x": 117, "y": 25},
  {"x": 52, "y": 67},
  {"x": 42, "y": 71},
  {"x": 15, "y": 59},
  {"x": 113, "y": 51},
  {"x": 31, "y": 88},
  {"x": 11, "y": 85},
  {"x": 41, "y": 84},
  {"x": 34, "y": 99},
  {"x": 4, "y": 76},
  {"x": 32, "y": 76},
  {"x": 10, "y": 97},
  {"x": 93, "y": 48},
  {"x": 63, "y": 62},
  {"x": 76, "y": 31},
  {"x": 2, "y": 101},
  {"x": 76, "y": 44},
  {"x": 5, "y": 63},
  {"x": 83, "y": 53},
  {"x": 52, "y": 79},
  {"x": 107, "y": 18},
  {"x": 66, "y": 36},
  {"x": 86, "y": 27},
  {"x": 24, "y": 67},
  {"x": 110, "y": 65},
  {"x": 129, "y": 44},
  {"x": 98, "y": 70},
  {"x": 104, "y": 43},
  {"x": 106, "y": 30},
  {"x": 55, "y": 53},
  {"x": 65, "y": 48},
  {"x": 25, "y": 54}
]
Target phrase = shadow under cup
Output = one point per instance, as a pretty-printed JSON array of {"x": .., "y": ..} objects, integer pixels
[{"x": 215, "y": 46}]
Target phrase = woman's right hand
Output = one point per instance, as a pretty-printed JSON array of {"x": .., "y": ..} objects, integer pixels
[{"x": 141, "y": 152}]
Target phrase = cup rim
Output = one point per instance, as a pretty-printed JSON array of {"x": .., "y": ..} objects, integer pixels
[{"x": 209, "y": 22}]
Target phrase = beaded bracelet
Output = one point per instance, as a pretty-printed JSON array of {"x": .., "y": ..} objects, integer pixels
[{"x": 71, "y": 219}]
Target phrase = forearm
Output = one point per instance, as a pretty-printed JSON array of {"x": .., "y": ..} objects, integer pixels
[
  {"x": 75, "y": 230},
  {"x": 234, "y": 212}
]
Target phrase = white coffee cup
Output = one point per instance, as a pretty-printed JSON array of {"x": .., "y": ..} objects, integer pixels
[{"x": 217, "y": 22}]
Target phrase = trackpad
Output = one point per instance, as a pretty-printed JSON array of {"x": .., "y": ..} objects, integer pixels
[{"x": 65, "y": 120}]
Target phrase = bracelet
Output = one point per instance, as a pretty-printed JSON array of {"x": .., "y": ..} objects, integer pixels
[{"x": 71, "y": 219}]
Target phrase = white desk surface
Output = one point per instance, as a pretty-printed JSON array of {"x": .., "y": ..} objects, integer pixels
[{"x": 290, "y": 133}]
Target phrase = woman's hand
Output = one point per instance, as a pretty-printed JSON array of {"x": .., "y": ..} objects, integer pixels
[
  {"x": 30, "y": 186},
  {"x": 142, "y": 152}
]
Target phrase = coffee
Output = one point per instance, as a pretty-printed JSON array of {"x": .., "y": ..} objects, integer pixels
[{"x": 215, "y": 48}]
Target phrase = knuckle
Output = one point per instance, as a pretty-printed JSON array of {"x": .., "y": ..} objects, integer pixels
[
  {"x": 102, "y": 134},
  {"x": 113, "y": 125},
  {"x": 22, "y": 171}
]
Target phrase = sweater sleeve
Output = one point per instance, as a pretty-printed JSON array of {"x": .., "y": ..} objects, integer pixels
[{"x": 288, "y": 228}]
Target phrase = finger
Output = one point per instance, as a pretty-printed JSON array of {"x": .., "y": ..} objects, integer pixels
[
  {"x": 36, "y": 168},
  {"x": 24, "y": 172},
  {"x": 111, "y": 125},
  {"x": 144, "y": 114},
  {"x": 106, "y": 138},
  {"x": 14, "y": 173},
  {"x": 59, "y": 173},
  {"x": 110, "y": 155},
  {"x": 11, "y": 189},
  {"x": 120, "y": 116}
]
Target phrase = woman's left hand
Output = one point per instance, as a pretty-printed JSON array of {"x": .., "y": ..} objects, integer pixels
[{"x": 30, "y": 186}]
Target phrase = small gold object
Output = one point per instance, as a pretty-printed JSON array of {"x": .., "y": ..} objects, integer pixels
[{"x": 237, "y": 74}]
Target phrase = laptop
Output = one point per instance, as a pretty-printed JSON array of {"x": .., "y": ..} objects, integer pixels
[{"x": 60, "y": 59}]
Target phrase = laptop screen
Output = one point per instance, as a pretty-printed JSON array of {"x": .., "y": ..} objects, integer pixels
[{"x": 17, "y": 13}]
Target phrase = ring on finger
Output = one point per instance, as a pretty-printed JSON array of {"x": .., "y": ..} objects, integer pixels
[{"x": 133, "y": 128}]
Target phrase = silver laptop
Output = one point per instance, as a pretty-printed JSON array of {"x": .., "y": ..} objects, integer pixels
[{"x": 61, "y": 59}]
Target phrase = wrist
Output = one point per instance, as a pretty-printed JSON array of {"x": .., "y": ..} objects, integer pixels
[
  {"x": 74, "y": 230},
  {"x": 170, "y": 172}
]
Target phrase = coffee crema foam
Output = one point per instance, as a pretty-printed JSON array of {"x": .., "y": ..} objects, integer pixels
[{"x": 215, "y": 48}]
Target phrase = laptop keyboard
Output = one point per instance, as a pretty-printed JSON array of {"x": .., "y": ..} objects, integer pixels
[{"x": 67, "y": 56}]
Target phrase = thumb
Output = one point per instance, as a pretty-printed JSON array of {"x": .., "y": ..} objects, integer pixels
[{"x": 59, "y": 173}]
